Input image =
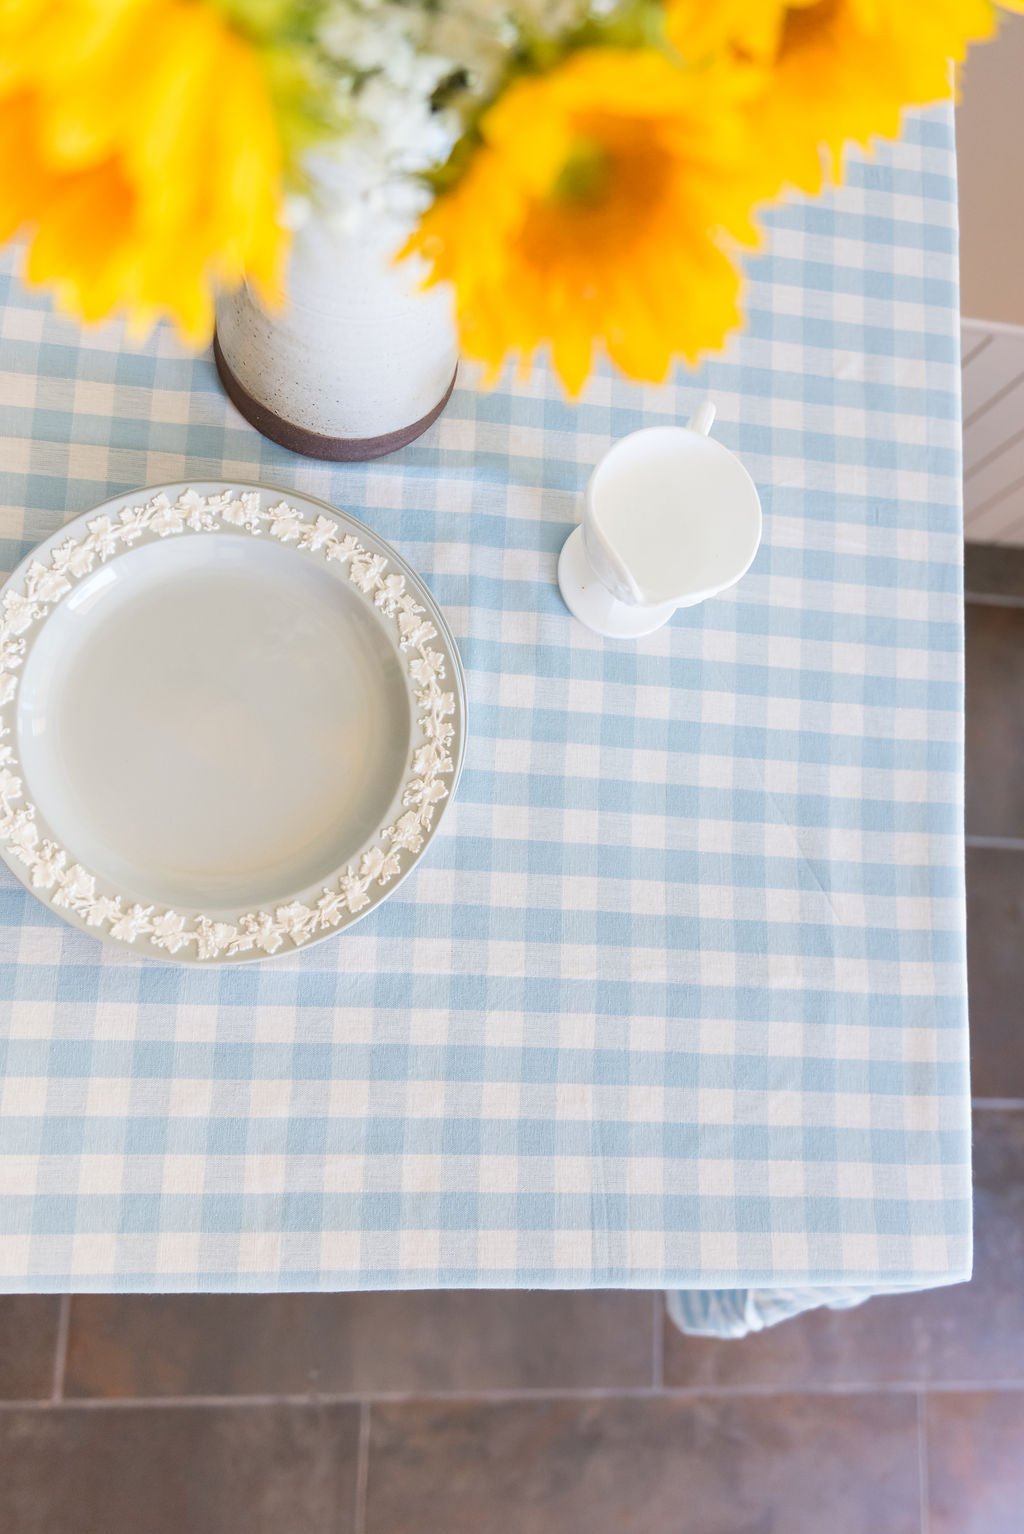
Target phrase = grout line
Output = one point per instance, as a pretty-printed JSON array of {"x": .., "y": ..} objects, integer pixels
[
  {"x": 922, "y": 1461},
  {"x": 658, "y": 1341},
  {"x": 997, "y": 1104},
  {"x": 60, "y": 1357},
  {"x": 990, "y": 599},
  {"x": 996, "y": 843},
  {"x": 362, "y": 1468},
  {"x": 752, "y": 1389}
]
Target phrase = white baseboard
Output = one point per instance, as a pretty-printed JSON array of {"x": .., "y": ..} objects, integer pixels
[{"x": 993, "y": 382}]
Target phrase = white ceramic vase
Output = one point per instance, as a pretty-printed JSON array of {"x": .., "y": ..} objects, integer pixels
[{"x": 358, "y": 363}]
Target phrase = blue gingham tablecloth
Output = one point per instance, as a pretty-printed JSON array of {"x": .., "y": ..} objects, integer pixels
[{"x": 678, "y": 998}]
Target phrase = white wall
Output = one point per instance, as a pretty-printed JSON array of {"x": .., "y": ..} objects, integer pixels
[{"x": 990, "y": 139}]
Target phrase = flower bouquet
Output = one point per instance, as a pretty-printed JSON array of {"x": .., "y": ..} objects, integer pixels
[{"x": 362, "y": 189}]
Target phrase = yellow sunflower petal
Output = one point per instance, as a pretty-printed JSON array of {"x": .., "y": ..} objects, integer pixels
[
  {"x": 140, "y": 152},
  {"x": 601, "y": 196},
  {"x": 27, "y": 182},
  {"x": 832, "y": 72},
  {"x": 83, "y": 241}
]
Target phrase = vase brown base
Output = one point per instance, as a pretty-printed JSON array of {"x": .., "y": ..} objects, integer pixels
[{"x": 314, "y": 444}]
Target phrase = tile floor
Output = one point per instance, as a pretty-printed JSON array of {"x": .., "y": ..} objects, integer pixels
[{"x": 543, "y": 1413}]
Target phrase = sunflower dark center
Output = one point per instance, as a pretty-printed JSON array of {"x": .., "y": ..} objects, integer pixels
[
  {"x": 805, "y": 23},
  {"x": 585, "y": 175}
]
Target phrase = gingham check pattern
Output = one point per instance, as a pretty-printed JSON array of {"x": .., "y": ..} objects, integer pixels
[{"x": 678, "y": 997}]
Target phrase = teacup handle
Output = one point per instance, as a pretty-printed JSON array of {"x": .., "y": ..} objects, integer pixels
[{"x": 703, "y": 418}]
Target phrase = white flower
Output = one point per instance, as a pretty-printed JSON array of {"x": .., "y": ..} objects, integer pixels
[
  {"x": 195, "y": 511},
  {"x": 415, "y": 631},
  {"x": 365, "y": 570},
  {"x": 167, "y": 519},
  {"x": 388, "y": 55},
  {"x": 103, "y": 537},
  {"x": 75, "y": 885},
  {"x": 354, "y": 891},
  {"x": 131, "y": 924},
  {"x": 23, "y": 835},
  {"x": 387, "y": 595},
  {"x": 341, "y": 549},
  {"x": 437, "y": 729},
  {"x": 10, "y": 784},
  {"x": 105, "y": 908},
  {"x": 243, "y": 512},
  {"x": 19, "y": 612},
  {"x": 297, "y": 920},
  {"x": 314, "y": 537},
  {"x": 223, "y": 934},
  {"x": 371, "y": 862},
  {"x": 212, "y": 937},
  {"x": 286, "y": 522},
  {"x": 168, "y": 931},
  {"x": 407, "y": 832},
  {"x": 377, "y": 864},
  {"x": 424, "y": 791},
  {"x": 48, "y": 866},
  {"x": 73, "y": 558},
  {"x": 427, "y": 667},
  {"x": 291, "y": 915},
  {"x": 329, "y": 907},
  {"x": 429, "y": 759},
  {"x": 45, "y": 585},
  {"x": 8, "y": 686},
  {"x": 132, "y": 523},
  {"x": 263, "y": 931}
]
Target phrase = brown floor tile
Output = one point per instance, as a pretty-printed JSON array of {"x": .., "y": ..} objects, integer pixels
[
  {"x": 968, "y": 1333},
  {"x": 179, "y": 1470},
  {"x": 28, "y": 1343},
  {"x": 976, "y": 1463},
  {"x": 995, "y": 720},
  {"x": 140, "y": 1345},
  {"x": 995, "y": 968},
  {"x": 786, "y": 1465},
  {"x": 993, "y": 569}
]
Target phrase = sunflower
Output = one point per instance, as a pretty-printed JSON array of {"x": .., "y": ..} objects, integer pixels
[
  {"x": 751, "y": 28},
  {"x": 140, "y": 155},
  {"x": 833, "y": 71},
  {"x": 603, "y": 205}
]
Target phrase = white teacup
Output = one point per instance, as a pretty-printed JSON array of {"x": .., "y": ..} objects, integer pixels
[{"x": 670, "y": 518}]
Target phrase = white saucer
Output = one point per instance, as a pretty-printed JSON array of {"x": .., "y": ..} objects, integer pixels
[{"x": 593, "y": 604}]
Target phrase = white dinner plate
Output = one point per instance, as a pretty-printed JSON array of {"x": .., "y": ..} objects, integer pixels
[{"x": 230, "y": 721}]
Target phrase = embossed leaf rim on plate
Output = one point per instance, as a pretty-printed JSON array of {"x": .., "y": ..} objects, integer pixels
[{"x": 116, "y": 547}]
